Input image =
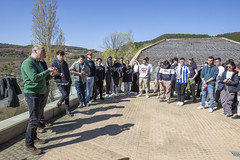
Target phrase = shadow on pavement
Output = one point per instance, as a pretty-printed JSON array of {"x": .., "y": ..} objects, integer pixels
[
  {"x": 111, "y": 130},
  {"x": 93, "y": 111},
  {"x": 75, "y": 124}
]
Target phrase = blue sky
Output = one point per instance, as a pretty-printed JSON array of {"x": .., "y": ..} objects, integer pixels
[{"x": 85, "y": 23}]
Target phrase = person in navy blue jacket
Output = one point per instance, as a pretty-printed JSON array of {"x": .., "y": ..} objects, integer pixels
[
  {"x": 165, "y": 78},
  {"x": 62, "y": 79}
]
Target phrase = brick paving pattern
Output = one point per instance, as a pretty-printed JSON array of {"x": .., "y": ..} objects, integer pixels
[{"x": 135, "y": 128}]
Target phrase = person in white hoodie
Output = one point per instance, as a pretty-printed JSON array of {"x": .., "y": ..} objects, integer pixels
[{"x": 144, "y": 73}]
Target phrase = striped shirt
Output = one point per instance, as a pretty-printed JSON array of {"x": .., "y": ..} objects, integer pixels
[{"x": 182, "y": 73}]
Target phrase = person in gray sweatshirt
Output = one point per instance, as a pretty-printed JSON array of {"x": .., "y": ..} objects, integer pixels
[{"x": 80, "y": 71}]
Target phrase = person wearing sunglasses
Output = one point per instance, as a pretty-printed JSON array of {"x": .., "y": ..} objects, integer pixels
[{"x": 230, "y": 80}]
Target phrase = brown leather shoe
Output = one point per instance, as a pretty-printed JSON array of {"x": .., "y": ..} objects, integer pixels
[
  {"x": 40, "y": 141},
  {"x": 40, "y": 130},
  {"x": 69, "y": 114},
  {"x": 32, "y": 150},
  {"x": 47, "y": 124}
]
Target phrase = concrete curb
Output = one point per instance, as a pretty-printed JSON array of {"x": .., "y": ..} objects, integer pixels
[
  {"x": 17, "y": 125},
  {"x": 230, "y": 40}
]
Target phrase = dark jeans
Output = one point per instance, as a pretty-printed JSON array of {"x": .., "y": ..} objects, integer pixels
[
  {"x": 65, "y": 91},
  {"x": 135, "y": 83},
  {"x": 80, "y": 87},
  {"x": 199, "y": 88},
  {"x": 42, "y": 119},
  {"x": 173, "y": 87},
  {"x": 34, "y": 102},
  {"x": 108, "y": 82},
  {"x": 115, "y": 84},
  {"x": 180, "y": 89},
  {"x": 99, "y": 86}
]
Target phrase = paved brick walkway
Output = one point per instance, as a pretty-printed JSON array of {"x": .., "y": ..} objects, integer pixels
[{"x": 136, "y": 128}]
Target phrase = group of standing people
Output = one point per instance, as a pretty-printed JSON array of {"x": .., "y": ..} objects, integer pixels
[{"x": 217, "y": 82}]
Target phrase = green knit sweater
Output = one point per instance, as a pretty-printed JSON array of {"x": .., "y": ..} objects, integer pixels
[{"x": 34, "y": 76}]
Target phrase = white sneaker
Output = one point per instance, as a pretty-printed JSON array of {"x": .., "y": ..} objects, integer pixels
[
  {"x": 90, "y": 102},
  {"x": 107, "y": 96},
  {"x": 135, "y": 93},
  {"x": 201, "y": 107},
  {"x": 223, "y": 114},
  {"x": 206, "y": 103},
  {"x": 147, "y": 96},
  {"x": 129, "y": 93},
  {"x": 139, "y": 95},
  {"x": 112, "y": 94},
  {"x": 181, "y": 104},
  {"x": 157, "y": 97},
  {"x": 210, "y": 110},
  {"x": 178, "y": 103}
]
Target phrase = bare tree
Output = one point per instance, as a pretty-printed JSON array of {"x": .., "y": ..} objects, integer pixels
[
  {"x": 45, "y": 27},
  {"x": 46, "y": 31},
  {"x": 114, "y": 41}
]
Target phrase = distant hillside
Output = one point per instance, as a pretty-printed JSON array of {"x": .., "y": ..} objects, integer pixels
[
  {"x": 11, "y": 49},
  {"x": 234, "y": 36}
]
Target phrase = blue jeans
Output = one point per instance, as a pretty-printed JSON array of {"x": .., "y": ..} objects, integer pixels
[
  {"x": 34, "y": 103},
  {"x": 210, "y": 89},
  {"x": 89, "y": 87},
  {"x": 80, "y": 88},
  {"x": 127, "y": 87},
  {"x": 65, "y": 91}
]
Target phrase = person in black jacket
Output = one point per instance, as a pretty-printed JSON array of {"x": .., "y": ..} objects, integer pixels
[
  {"x": 100, "y": 74},
  {"x": 121, "y": 76},
  {"x": 108, "y": 74},
  {"x": 90, "y": 77},
  {"x": 62, "y": 79},
  {"x": 127, "y": 78},
  {"x": 116, "y": 74},
  {"x": 230, "y": 81}
]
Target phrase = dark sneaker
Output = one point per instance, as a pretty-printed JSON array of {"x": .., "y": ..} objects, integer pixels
[
  {"x": 69, "y": 114},
  {"x": 32, "y": 150},
  {"x": 236, "y": 117},
  {"x": 160, "y": 100},
  {"x": 168, "y": 101},
  {"x": 194, "y": 100},
  {"x": 59, "y": 104},
  {"x": 102, "y": 98},
  {"x": 40, "y": 130},
  {"x": 187, "y": 97},
  {"x": 85, "y": 104},
  {"x": 229, "y": 115},
  {"x": 40, "y": 141}
]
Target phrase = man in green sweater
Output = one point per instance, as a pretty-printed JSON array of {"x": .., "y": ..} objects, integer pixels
[{"x": 34, "y": 79}]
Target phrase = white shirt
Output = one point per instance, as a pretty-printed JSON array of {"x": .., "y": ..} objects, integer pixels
[
  {"x": 229, "y": 75},
  {"x": 144, "y": 71},
  {"x": 151, "y": 67},
  {"x": 135, "y": 68},
  {"x": 221, "y": 70}
]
